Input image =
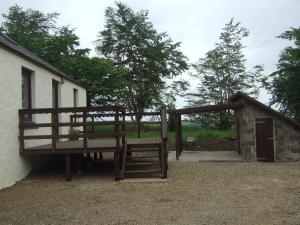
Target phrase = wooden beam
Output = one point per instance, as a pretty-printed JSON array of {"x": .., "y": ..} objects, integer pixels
[
  {"x": 164, "y": 124},
  {"x": 72, "y": 109},
  {"x": 207, "y": 108},
  {"x": 177, "y": 135},
  {"x": 117, "y": 152},
  {"x": 180, "y": 135}
]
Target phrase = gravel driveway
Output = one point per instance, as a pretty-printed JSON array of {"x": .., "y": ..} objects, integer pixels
[{"x": 196, "y": 193}]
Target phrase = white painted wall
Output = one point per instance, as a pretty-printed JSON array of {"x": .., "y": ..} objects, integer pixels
[{"x": 14, "y": 167}]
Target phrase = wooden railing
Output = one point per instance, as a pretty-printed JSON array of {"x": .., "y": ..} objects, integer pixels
[
  {"x": 137, "y": 124},
  {"x": 85, "y": 113},
  {"x": 87, "y": 119}
]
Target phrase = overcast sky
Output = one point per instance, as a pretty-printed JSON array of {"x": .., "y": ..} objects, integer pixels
[{"x": 195, "y": 23}]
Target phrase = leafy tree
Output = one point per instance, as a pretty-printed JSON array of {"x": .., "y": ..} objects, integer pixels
[
  {"x": 284, "y": 84},
  {"x": 104, "y": 80},
  {"x": 222, "y": 72},
  {"x": 150, "y": 57},
  {"x": 39, "y": 33}
]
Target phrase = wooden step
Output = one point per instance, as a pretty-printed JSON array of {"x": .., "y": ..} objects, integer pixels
[
  {"x": 142, "y": 157},
  {"x": 144, "y": 150},
  {"x": 142, "y": 171},
  {"x": 142, "y": 163}
]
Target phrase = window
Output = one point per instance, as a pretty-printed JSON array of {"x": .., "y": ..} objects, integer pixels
[
  {"x": 26, "y": 92},
  {"x": 55, "y": 102},
  {"x": 75, "y": 97}
]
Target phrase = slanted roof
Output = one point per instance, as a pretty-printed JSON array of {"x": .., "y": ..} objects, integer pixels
[
  {"x": 14, "y": 47},
  {"x": 240, "y": 95}
]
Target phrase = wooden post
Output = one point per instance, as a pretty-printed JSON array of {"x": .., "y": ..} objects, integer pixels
[
  {"x": 123, "y": 128},
  {"x": 53, "y": 131},
  {"x": 21, "y": 132},
  {"x": 93, "y": 127},
  {"x": 164, "y": 124},
  {"x": 79, "y": 163},
  {"x": 68, "y": 167},
  {"x": 164, "y": 136},
  {"x": 177, "y": 136},
  {"x": 95, "y": 156},
  {"x": 237, "y": 126},
  {"x": 138, "y": 126},
  {"x": 124, "y": 160},
  {"x": 117, "y": 151},
  {"x": 84, "y": 132},
  {"x": 71, "y": 120},
  {"x": 180, "y": 134}
]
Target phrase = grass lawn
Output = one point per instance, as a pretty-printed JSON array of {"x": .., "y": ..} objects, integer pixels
[{"x": 187, "y": 131}]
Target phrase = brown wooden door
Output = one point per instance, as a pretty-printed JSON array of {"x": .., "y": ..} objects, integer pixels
[
  {"x": 55, "y": 103},
  {"x": 264, "y": 139}
]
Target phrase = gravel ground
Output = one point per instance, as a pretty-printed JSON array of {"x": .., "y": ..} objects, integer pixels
[{"x": 196, "y": 193}]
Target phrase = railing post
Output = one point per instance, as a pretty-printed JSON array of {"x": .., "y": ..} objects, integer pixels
[
  {"x": 21, "y": 132},
  {"x": 84, "y": 131},
  {"x": 138, "y": 125},
  {"x": 71, "y": 121},
  {"x": 164, "y": 123},
  {"x": 123, "y": 127},
  {"x": 53, "y": 131},
  {"x": 93, "y": 127},
  {"x": 180, "y": 134},
  {"x": 164, "y": 136}
]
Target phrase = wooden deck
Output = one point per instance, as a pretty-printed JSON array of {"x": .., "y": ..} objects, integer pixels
[
  {"x": 82, "y": 124},
  {"x": 94, "y": 145}
]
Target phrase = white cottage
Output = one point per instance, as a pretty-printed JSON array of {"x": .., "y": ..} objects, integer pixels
[{"x": 27, "y": 82}]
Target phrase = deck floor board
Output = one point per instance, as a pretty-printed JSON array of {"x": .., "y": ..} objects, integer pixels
[{"x": 93, "y": 144}]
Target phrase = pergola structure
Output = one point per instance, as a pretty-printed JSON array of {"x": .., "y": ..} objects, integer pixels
[{"x": 209, "y": 108}]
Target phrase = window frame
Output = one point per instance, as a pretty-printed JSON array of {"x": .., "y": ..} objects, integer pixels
[
  {"x": 75, "y": 97},
  {"x": 27, "y": 74}
]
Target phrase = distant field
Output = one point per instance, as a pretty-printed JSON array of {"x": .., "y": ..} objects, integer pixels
[{"x": 187, "y": 131}]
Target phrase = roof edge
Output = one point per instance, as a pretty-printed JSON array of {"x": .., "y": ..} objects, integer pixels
[
  {"x": 34, "y": 61},
  {"x": 240, "y": 95}
]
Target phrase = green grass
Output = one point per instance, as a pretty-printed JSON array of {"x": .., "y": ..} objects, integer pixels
[
  {"x": 203, "y": 133},
  {"x": 187, "y": 131}
]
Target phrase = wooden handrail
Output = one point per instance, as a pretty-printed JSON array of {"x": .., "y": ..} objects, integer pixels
[
  {"x": 71, "y": 109},
  {"x": 66, "y": 124},
  {"x": 88, "y": 135},
  {"x": 88, "y": 123}
]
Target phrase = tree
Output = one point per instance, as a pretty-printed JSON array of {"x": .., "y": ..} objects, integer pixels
[
  {"x": 104, "y": 80},
  {"x": 39, "y": 33},
  {"x": 284, "y": 84},
  {"x": 59, "y": 46},
  {"x": 130, "y": 40},
  {"x": 222, "y": 72}
]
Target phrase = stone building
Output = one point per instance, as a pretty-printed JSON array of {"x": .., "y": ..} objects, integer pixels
[{"x": 265, "y": 134}]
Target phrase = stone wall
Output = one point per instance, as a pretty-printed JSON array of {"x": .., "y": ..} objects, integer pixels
[
  {"x": 287, "y": 145},
  {"x": 286, "y": 137}
]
